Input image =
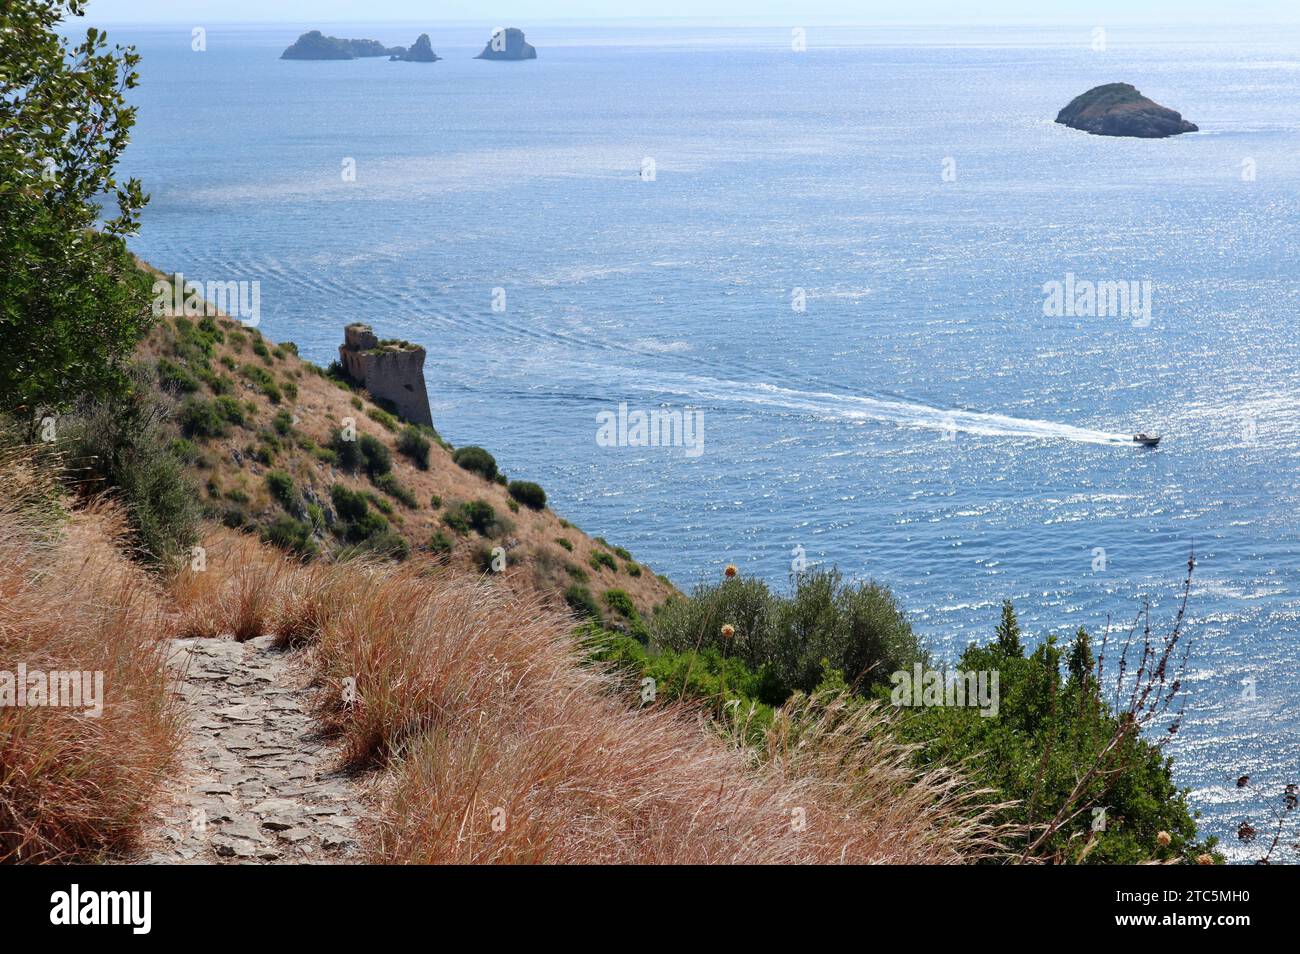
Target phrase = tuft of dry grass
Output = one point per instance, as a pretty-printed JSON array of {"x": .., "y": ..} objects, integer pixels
[
  {"x": 498, "y": 746},
  {"x": 74, "y": 787},
  {"x": 236, "y": 588}
]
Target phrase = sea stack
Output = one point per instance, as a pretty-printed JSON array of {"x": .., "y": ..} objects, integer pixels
[
  {"x": 1118, "y": 109},
  {"x": 420, "y": 52},
  {"x": 507, "y": 44},
  {"x": 390, "y": 370}
]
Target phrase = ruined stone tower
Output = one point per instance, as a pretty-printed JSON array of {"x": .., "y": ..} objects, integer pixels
[{"x": 389, "y": 370}]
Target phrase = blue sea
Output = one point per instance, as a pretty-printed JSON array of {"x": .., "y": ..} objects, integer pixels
[{"x": 650, "y": 202}]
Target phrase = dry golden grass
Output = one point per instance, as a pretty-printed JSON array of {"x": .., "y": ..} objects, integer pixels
[
  {"x": 501, "y": 748},
  {"x": 74, "y": 787}
]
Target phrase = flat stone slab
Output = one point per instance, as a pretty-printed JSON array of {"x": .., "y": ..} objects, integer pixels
[{"x": 258, "y": 785}]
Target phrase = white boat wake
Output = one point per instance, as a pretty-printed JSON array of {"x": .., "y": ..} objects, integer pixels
[{"x": 902, "y": 413}]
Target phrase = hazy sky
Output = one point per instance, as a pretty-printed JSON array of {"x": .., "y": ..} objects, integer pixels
[{"x": 522, "y": 12}]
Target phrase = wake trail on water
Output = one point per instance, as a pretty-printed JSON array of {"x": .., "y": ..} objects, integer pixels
[{"x": 890, "y": 410}]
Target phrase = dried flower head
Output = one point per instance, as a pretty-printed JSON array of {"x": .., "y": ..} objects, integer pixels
[{"x": 730, "y": 571}]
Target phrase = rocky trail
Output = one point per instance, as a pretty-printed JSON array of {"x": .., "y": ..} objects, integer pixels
[{"x": 258, "y": 784}]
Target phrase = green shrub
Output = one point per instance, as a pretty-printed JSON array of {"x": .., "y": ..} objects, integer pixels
[
  {"x": 346, "y": 452},
  {"x": 283, "y": 423},
  {"x": 263, "y": 380},
  {"x": 631, "y": 569},
  {"x": 120, "y": 444},
  {"x": 217, "y": 383},
  {"x": 564, "y": 543},
  {"x": 210, "y": 330},
  {"x": 260, "y": 349},
  {"x": 477, "y": 460},
  {"x": 435, "y": 501},
  {"x": 601, "y": 559},
  {"x": 577, "y": 572},
  {"x": 582, "y": 602},
  {"x": 200, "y": 418},
  {"x": 456, "y": 521},
  {"x": 621, "y": 603},
  {"x": 857, "y": 629},
  {"x": 390, "y": 485},
  {"x": 187, "y": 452},
  {"x": 290, "y": 390},
  {"x": 280, "y": 485},
  {"x": 387, "y": 543},
  {"x": 382, "y": 418},
  {"x": 415, "y": 446},
  {"x": 480, "y": 515},
  {"x": 706, "y": 677},
  {"x": 365, "y": 527},
  {"x": 231, "y": 411},
  {"x": 375, "y": 454},
  {"x": 528, "y": 493},
  {"x": 440, "y": 543},
  {"x": 1053, "y": 720},
  {"x": 348, "y": 504},
  {"x": 289, "y": 534},
  {"x": 173, "y": 377},
  {"x": 621, "y": 553}
]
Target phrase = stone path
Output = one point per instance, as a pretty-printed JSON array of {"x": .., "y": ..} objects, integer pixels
[{"x": 258, "y": 785}]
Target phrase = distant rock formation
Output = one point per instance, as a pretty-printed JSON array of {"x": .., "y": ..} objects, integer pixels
[
  {"x": 314, "y": 45},
  {"x": 1118, "y": 109},
  {"x": 420, "y": 52},
  {"x": 507, "y": 44},
  {"x": 389, "y": 370}
]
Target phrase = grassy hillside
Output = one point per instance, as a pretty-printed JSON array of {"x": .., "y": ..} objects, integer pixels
[{"x": 264, "y": 435}]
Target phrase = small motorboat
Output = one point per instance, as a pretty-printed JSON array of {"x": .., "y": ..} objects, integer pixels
[{"x": 1145, "y": 439}]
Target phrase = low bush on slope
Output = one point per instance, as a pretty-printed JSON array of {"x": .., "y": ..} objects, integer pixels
[{"x": 1082, "y": 773}]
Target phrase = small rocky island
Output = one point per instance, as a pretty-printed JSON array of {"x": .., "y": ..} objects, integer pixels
[
  {"x": 420, "y": 52},
  {"x": 314, "y": 45},
  {"x": 507, "y": 44},
  {"x": 1118, "y": 109}
]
